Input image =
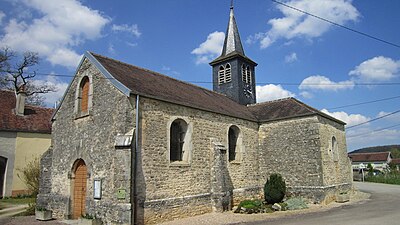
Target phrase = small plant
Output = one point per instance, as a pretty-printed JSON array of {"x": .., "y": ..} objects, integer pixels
[
  {"x": 88, "y": 216},
  {"x": 295, "y": 203},
  {"x": 30, "y": 175},
  {"x": 274, "y": 189}
]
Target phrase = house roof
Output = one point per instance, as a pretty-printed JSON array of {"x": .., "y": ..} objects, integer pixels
[
  {"x": 136, "y": 80},
  {"x": 35, "y": 119},
  {"x": 396, "y": 161},
  {"x": 370, "y": 157}
]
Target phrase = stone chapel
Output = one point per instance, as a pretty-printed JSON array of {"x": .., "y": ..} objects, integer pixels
[{"x": 132, "y": 146}]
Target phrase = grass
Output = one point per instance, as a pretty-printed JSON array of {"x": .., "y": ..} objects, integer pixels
[
  {"x": 17, "y": 201},
  {"x": 391, "y": 178}
]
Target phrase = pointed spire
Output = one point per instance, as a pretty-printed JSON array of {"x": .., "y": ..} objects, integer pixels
[{"x": 232, "y": 41}]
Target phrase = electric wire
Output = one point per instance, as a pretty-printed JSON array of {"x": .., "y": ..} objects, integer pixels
[
  {"x": 377, "y": 118},
  {"x": 372, "y": 132},
  {"x": 339, "y": 25},
  {"x": 363, "y": 103}
]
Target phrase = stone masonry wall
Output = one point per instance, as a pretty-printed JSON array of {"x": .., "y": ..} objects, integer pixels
[
  {"x": 291, "y": 148},
  {"x": 92, "y": 138},
  {"x": 336, "y": 163},
  {"x": 168, "y": 182}
]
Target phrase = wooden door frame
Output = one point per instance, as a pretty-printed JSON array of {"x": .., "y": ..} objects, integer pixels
[{"x": 73, "y": 176}]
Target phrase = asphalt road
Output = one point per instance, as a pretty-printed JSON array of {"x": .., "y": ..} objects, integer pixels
[{"x": 382, "y": 208}]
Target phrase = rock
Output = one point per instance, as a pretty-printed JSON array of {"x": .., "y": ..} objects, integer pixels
[{"x": 277, "y": 207}]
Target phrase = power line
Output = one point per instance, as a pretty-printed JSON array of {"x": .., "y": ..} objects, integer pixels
[
  {"x": 363, "y": 103},
  {"x": 374, "y": 131},
  {"x": 377, "y": 118},
  {"x": 339, "y": 25}
]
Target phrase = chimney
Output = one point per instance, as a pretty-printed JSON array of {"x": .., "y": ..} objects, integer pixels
[{"x": 20, "y": 104}]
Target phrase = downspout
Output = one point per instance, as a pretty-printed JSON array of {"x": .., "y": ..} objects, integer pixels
[{"x": 134, "y": 155}]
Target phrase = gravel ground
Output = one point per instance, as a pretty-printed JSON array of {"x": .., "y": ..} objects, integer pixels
[{"x": 209, "y": 218}]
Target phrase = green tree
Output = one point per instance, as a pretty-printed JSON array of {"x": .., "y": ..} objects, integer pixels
[{"x": 274, "y": 189}]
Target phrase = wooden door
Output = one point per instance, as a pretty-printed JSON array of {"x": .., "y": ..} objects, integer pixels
[{"x": 79, "y": 190}]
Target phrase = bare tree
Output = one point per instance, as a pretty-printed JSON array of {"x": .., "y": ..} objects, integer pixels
[{"x": 14, "y": 75}]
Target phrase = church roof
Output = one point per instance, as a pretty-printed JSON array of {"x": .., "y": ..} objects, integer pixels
[
  {"x": 154, "y": 85},
  {"x": 285, "y": 109},
  {"x": 35, "y": 119}
]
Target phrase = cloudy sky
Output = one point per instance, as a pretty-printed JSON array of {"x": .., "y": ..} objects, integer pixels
[{"x": 326, "y": 66}]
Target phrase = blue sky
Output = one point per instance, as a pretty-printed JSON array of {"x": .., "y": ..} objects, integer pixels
[{"x": 179, "y": 37}]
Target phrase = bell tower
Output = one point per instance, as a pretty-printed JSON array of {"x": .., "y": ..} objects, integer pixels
[{"x": 233, "y": 72}]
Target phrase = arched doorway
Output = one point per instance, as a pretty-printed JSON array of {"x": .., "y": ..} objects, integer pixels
[{"x": 79, "y": 197}]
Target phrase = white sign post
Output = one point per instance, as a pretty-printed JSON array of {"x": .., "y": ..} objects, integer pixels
[{"x": 362, "y": 167}]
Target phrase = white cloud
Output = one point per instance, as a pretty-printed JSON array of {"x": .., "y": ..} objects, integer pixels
[
  {"x": 291, "y": 57},
  {"x": 170, "y": 71},
  {"x": 349, "y": 119},
  {"x": 306, "y": 94},
  {"x": 210, "y": 48},
  {"x": 62, "y": 25},
  {"x": 296, "y": 24},
  {"x": 319, "y": 82},
  {"x": 272, "y": 92},
  {"x": 377, "y": 69},
  {"x": 133, "y": 29},
  {"x": 2, "y": 15},
  {"x": 366, "y": 137},
  {"x": 393, "y": 118},
  {"x": 52, "y": 97}
]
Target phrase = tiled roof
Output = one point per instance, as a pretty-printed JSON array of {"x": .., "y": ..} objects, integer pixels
[
  {"x": 154, "y": 85},
  {"x": 284, "y": 109},
  {"x": 35, "y": 119},
  {"x": 369, "y": 157},
  {"x": 396, "y": 161}
]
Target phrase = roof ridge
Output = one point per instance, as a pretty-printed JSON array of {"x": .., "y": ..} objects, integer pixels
[
  {"x": 270, "y": 101},
  {"x": 367, "y": 153},
  {"x": 163, "y": 75}
]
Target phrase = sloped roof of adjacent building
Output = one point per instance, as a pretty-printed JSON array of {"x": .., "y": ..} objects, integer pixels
[
  {"x": 396, "y": 161},
  {"x": 370, "y": 157},
  {"x": 157, "y": 86},
  {"x": 35, "y": 119}
]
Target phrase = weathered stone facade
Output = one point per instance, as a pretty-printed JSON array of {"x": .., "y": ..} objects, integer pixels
[{"x": 299, "y": 148}]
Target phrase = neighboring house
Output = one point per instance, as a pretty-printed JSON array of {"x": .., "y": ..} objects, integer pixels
[
  {"x": 24, "y": 135},
  {"x": 378, "y": 160},
  {"x": 132, "y": 145}
]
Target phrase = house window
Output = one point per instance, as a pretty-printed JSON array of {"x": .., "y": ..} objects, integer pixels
[
  {"x": 84, "y": 97},
  {"x": 243, "y": 73},
  {"x": 334, "y": 149},
  {"x": 228, "y": 73},
  {"x": 233, "y": 145},
  {"x": 178, "y": 139},
  {"x": 221, "y": 75}
]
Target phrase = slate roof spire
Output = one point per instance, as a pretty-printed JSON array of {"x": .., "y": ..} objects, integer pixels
[{"x": 232, "y": 41}]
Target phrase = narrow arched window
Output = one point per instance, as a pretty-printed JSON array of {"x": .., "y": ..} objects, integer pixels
[
  {"x": 233, "y": 135},
  {"x": 84, "y": 95},
  {"x": 334, "y": 149},
  {"x": 178, "y": 132},
  {"x": 248, "y": 75},
  {"x": 228, "y": 73},
  {"x": 221, "y": 75}
]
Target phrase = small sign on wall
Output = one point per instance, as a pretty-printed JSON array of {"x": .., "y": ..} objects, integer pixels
[
  {"x": 121, "y": 194},
  {"x": 97, "y": 189}
]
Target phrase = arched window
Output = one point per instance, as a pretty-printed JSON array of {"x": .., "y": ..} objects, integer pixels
[
  {"x": 178, "y": 138},
  {"x": 84, "y": 95},
  {"x": 228, "y": 73},
  {"x": 221, "y": 75},
  {"x": 334, "y": 149},
  {"x": 233, "y": 145},
  {"x": 248, "y": 75}
]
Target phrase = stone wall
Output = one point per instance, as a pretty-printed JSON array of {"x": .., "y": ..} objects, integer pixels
[
  {"x": 166, "y": 181},
  {"x": 91, "y": 138}
]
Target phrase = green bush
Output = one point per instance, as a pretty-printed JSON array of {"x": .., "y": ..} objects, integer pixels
[
  {"x": 295, "y": 203},
  {"x": 274, "y": 189},
  {"x": 391, "y": 178}
]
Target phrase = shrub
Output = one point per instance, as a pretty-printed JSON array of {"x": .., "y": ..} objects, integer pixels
[
  {"x": 274, "y": 189},
  {"x": 30, "y": 175},
  {"x": 296, "y": 203}
]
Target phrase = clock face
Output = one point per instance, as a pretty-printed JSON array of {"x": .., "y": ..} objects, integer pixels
[{"x": 248, "y": 90}]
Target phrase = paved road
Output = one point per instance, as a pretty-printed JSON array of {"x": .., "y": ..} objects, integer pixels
[{"x": 382, "y": 208}]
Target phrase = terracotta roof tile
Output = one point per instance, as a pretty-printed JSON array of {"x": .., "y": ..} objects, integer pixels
[
  {"x": 35, "y": 119},
  {"x": 369, "y": 157}
]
